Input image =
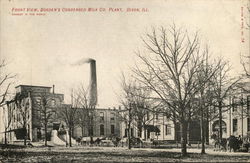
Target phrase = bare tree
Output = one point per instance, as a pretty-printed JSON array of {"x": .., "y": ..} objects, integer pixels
[
  {"x": 23, "y": 103},
  {"x": 222, "y": 84},
  {"x": 8, "y": 116},
  {"x": 134, "y": 100},
  {"x": 169, "y": 68},
  {"x": 245, "y": 61},
  {"x": 45, "y": 105},
  {"x": 204, "y": 95},
  {"x": 5, "y": 82},
  {"x": 68, "y": 114},
  {"x": 86, "y": 109}
]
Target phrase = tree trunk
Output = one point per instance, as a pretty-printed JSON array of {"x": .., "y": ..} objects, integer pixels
[
  {"x": 45, "y": 134},
  {"x": 70, "y": 143},
  {"x": 145, "y": 134},
  {"x": 175, "y": 129},
  {"x": 139, "y": 131},
  {"x": 188, "y": 134},
  {"x": 129, "y": 137},
  {"x": 25, "y": 136},
  {"x": 5, "y": 137},
  {"x": 184, "y": 138},
  {"x": 207, "y": 128},
  {"x": 72, "y": 130},
  {"x": 82, "y": 130},
  {"x": 202, "y": 132},
  {"x": 220, "y": 121}
]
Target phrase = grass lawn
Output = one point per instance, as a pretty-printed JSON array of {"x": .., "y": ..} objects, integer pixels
[{"x": 109, "y": 154}]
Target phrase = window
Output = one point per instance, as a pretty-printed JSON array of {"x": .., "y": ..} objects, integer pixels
[
  {"x": 101, "y": 116},
  {"x": 159, "y": 127},
  {"x": 91, "y": 131},
  {"x": 167, "y": 130},
  {"x": 156, "y": 116},
  {"x": 132, "y": 132},
  {"x": 112, "y": 116},
  {"x": 234, "y": 105},
  {"x": 248, "y": 124},
  {"x": 235, "y": 125},
  {"x": 101, "y": 130},
  {"x": 147, "y": 115},
  {"x": 112, "y": 129},
  {"x": 126, "y": 133}
]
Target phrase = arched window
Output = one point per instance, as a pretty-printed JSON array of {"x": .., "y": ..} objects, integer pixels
[{"x": 216, "y": 126}]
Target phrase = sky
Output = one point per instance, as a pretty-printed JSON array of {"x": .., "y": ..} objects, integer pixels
[{"x": 43, "y": 49}]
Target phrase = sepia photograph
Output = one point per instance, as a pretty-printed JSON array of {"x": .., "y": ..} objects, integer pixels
[{"x": 124, "y": 81}]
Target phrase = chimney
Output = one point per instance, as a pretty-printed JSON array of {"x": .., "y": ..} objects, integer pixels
[
  {"x": 93, "y": 83},
  {"x": 53, "y": 89}
]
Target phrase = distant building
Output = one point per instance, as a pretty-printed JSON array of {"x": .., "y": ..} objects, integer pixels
[
  {"x": 106, "y": 123},
  {"x": 236, "y": 119},
  {"x": 157, "y": 126}
]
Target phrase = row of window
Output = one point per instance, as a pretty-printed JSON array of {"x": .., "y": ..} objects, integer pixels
[
  {"x": 235, "y": 104},
  {"x": 102, "y": 129},
  {"x": 112, "y": 116}
]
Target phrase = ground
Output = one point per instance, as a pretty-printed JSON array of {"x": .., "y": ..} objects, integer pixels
[{"x": 118, "y": 154}]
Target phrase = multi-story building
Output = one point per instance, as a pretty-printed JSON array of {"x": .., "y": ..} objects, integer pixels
[
  {"x": 235, "y": 121},
  {"x": 106, "y": 123},
  {"x": 24, "y": 111},
  {"x": 236, "y": 118},
  {"x": 154, "y": 125}
]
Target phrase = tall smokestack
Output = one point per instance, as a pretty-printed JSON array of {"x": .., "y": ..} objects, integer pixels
[
  {"x": 93, "y": 83},
  {"x": 53, "y": 89}
]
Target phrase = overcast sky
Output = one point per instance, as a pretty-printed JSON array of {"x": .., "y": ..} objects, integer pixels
[{"x": 42, "y": 49}]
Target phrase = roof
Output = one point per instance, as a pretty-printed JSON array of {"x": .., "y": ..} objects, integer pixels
[{"x": 32, "y": 86}]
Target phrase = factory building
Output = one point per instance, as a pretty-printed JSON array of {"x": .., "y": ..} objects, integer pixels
[
  {"x": 25, "y": 109},
  {"x": 24, "y": 112},
  {"x": 106, "y": 123}
]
